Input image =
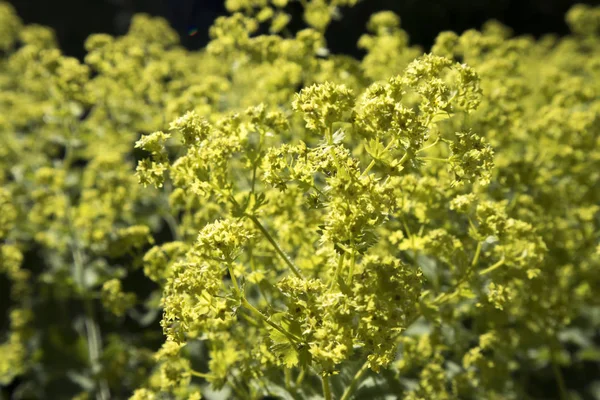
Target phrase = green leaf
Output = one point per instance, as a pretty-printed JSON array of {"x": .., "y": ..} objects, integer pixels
[
  {"x": 339, "y": 136},
  {"x": 290, "y": 358},
  {"x": 442, "y": 116},
  {"x": 282, "y": 346},
  {"x": 374, "y": 148},
  {"x": 589, "y": 354}
]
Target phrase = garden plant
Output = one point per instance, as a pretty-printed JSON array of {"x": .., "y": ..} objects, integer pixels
[{"x": 265, "y": 219}]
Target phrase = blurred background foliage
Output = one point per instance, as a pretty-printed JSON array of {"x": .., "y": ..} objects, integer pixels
[{"x": 75, "y": 20}]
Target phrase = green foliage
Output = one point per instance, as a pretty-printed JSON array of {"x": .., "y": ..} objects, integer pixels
[{"x": 262, "y": 218}]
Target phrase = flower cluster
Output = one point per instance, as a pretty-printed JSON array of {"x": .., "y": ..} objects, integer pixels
[{"x": 305, "y": 223}]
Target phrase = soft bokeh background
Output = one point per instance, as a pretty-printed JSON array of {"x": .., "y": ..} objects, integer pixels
[{"x": 74, "y": 20}]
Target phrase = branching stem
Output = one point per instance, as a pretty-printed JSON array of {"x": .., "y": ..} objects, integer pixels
[
  {"x": 276, "y": 246},
  {"x": 372, "y": 163},
  {"x": 493, "y": 267},
  {"x": 292, "y": 338}
]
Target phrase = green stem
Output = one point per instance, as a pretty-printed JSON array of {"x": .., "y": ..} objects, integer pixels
[
  {"x": 276, "y": 246},
  {"x": 93, "y": 335},
  {"x": 472, "y": 225},
  {"x": 372, "y": 163},
  {"x": 300, "y": 377},
  {"x": 326, "y": 388},
  {"x": 564, "y": 395},
  {"x": 233, "y": 278},
  {"x": 453, "y": 292},
  {"x": 168, "y": 218},
  {"x": 256, "y": 161},
  {"x": 492, "y": 268},
  {"x": 172, "y": 224},
  {"x": 345, "y": 248},
  {"x": 403, "y": 159},
  {"x": 477, "y": 253},
  {"x": 94, "y": 341},
  {"x": 292, "y": 338},
  {"x": 329, "y": 137},
  {"x": 337, "y": 270},
  {"x": 69, "y": 151},
  {"x": 560, "y": 380},
  {"x": 288, "y": 380},
  {"x": 319, "y": 192},
  {"x": 433, "y": 159},
  {"x": 291, "y": 389},
  {"x": 237, "y": 388},
  {"x": 355, "y": 381},
  {"x": 409, "y": 233},
  {"x": 253, "y": 268},
  {"x": 365, "y": 367},
  {"x": 200, "y": 374},
  {"x": 253, "y": 188},
  {"x": 352, "y": 264},
  {"x": 250, "y": 320},
  {"x": 430, "y": 146}
]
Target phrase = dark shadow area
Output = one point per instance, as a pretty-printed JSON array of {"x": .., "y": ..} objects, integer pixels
[{"x": 75, "y": 20}]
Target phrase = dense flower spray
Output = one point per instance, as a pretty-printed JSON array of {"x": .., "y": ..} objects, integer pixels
[{"x": 263, "y": 218}]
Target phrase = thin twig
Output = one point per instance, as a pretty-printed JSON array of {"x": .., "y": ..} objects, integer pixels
[
  {"x": 93, "y": 335},
  {"x": 276, "y": 246},
  {"x": 355, "y": 381},
  {"x": 326, "y": 388}
]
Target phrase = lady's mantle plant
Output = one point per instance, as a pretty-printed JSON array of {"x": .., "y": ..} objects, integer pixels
[{"x": 419, "y": 225}]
